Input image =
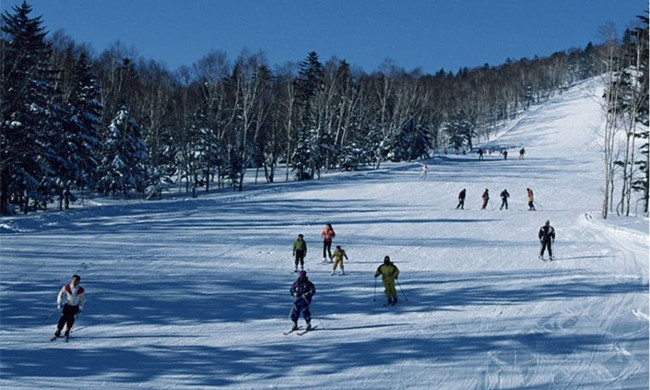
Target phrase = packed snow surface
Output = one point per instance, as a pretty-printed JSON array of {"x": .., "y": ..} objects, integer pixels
[{"x": 194, "y": 293}]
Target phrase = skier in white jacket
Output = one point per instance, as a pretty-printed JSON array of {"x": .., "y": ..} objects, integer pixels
[{"x": 71, "y": 301}]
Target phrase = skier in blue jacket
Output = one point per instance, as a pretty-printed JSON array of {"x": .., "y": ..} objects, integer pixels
[{"x": 302, "y": 291}]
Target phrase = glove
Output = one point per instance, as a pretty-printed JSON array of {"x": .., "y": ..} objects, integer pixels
[{"x": 79, "y": 312}]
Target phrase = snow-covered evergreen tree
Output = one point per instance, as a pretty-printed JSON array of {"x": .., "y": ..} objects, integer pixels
[
  {"x": 307, "y": 153},
  {"x": 82, "y": 138},
  {"x": 25, "y": 106},
  {"x": 125, "y": 161}
]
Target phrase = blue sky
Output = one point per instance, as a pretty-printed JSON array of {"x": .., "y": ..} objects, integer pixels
[{"x": 425, "y": 34}]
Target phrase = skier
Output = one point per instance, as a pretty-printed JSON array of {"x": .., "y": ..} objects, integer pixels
[
  {"x": 546, "y": 236},
  {"x": 425, "y": 170},
  {"x": 299, "y": 252},
  {"x": 521, "y": 153},
  {"x": 480, "y": 154},
  {"x": 327, "y": 234},
  {"x": 504, "y": 199},
  {"x": 338, "y": 255},
  {"x": 302, "y": 291},
  {"x": 505, "y": 154},
  {"x": 461, "y": 200},
  {"x": 486, "y": 198},
  {"x": 531, "y": 206},
  {"x": 71, "y": 299},
  {"x": 389, "y": 273}
]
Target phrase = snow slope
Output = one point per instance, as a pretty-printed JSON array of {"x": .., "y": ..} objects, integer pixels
[{"x": 193, "y": 293}]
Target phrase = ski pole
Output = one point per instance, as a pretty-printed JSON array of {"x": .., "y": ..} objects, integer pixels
[
  {"x": 400, "y": 288},
  {"x": 374, "y": 296},
  {"x": 291, "y": 310},
  {"x": 50, "y": 315}
]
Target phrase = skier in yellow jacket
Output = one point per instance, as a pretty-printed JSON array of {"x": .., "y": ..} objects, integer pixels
[
  {"x": 389, "y": 272},
  {"x": 338, "y": 256}
]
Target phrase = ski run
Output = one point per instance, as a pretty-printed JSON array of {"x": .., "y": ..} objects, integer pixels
[{"x": 194, "y": 293}]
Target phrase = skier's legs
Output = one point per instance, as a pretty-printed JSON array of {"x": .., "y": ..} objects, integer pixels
[
  {"x": 327, "y": 249},
  {"x": 546, "y": 245},
  {"x": 61, "y": 323},
  {"x": 389, "y": 290},
  {"x": 393, "y": 292},
  {"x": 295, "y": 312},
  {"x": 68, "y": 317},
  {"x": 306, "y": 314},
  {"x": 300, "y": 258}
]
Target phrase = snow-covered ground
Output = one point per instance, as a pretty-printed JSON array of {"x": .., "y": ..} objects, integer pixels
[{"x": 194, "y": 293}]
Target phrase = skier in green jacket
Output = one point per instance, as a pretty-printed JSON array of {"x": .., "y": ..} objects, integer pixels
[{"x": 299, "y": 252}]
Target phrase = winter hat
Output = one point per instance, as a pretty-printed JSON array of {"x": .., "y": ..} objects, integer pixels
[
  {"x": 547, "y": 222},
  {"x": 302, "y": 274},
  {"x": 386, "y": 259}
]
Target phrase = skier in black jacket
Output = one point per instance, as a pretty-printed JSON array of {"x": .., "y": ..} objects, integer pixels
[
  {"x": 504, "y": 199},
  {"x": 461, "y": 199},
  {"x": 546, "y": 236}
]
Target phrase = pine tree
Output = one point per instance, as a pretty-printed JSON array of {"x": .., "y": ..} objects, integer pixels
[
  {"x": 82, "y": 137},
  {"x": 307, "y": 159},
  {"x": 25, "y": 105},
  {"x": 125, "y": 161}
]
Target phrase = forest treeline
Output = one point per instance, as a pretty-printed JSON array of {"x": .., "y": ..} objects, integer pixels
[{"x": 121, "y": 125}]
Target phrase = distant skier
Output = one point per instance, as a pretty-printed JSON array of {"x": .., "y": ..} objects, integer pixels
[
  {"x": 486, "y": 198},
  {"x": 338, "y": 255},
  {"x": 389, "y": 273},
  {"x": 300, "y": 251},
  {"x": 546, "y": 237},
  {"x": 505, "y": 154},
  {"x": 328, "y": 235},
  {"x": 302, "y": 290},
  {"x": 521, "y": 153},
  {"x": 425, "y": 170},
  {"x": 461, "y": 200},
  {"x": 530, "y": 198},
  {"x": 504, "y": 199},
  {"x": 70, "y": 300},
  {"x": 480, "y": 154}
]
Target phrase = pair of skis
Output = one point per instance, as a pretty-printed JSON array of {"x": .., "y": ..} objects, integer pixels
[
  {"x": 298, "y": 332},
  {"x": 67, "y": 338}
]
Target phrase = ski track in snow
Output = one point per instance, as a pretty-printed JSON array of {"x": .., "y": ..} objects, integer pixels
[{"x": 194, "y": 293}]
